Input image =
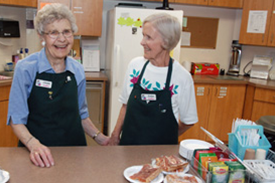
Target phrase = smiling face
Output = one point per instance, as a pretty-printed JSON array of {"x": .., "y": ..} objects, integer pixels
[
  {"x": 152, "y": 42},
  {"x": 59, "y": 48}
]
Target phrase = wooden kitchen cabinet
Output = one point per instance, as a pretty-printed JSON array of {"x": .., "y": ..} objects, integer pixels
[
  {"x": 7, "y": 137},
  {"x": 226, "y": 3},
  {"x": 218, "y": 105},
  {"x": 267, "y": 37},
  {"x": 260, "y": 102},
  {"x": 203, "y": 99},
  {"x": 27, "y": 3},
  {"x": 199, "y": 2},
  {"x": 220, "y": 3},
  {"x": 170, "y": 1},
  {"x": 88, "y": 15}
]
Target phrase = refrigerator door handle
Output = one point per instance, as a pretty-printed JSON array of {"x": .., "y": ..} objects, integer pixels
[{"x": 117, "y": 66}]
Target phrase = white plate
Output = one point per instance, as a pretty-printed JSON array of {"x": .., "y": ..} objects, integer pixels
[
  {"x": 186, "y": 169},
  {"x": 134, "y": 169},
  {"x": 4, "y": 177},
  {"x": 189, "y": 175},
  {"x": 187, "y": 147}
]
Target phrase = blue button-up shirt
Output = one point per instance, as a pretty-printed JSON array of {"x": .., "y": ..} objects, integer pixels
[{"x": 24, "y": 76}]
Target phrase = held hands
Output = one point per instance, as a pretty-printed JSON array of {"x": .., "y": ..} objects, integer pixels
[
  {"x": 101, "y": 139},
  {"x": 114, "y": 140},
  {"x": 40, "y": 155}
]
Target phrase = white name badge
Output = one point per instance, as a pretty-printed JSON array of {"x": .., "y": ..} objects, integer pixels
[
  {"x": 148, "y": 97},
  {"x": 43, "y": 83}
]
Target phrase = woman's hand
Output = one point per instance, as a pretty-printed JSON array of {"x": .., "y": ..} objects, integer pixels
[
  {"x": 102, "y": 139},
  {"x": 40, "y": 155},
  {"x": 115, "y": 137},
  {"x": 114, "y": 140}
]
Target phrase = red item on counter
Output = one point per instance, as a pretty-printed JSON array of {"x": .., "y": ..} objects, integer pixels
[{"x": 205, "y": 68}]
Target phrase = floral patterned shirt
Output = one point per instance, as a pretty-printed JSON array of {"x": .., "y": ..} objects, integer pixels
[{"x": 154, "y": 78}]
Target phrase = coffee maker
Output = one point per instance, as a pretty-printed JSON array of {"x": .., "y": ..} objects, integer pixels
[{"x": 234, "y": 66}]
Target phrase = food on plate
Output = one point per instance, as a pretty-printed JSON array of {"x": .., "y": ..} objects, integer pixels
[
  {"x": 172, "y": 178},
  {"x": 171, "y": 163},
  {"x": 147, "y": 173}
]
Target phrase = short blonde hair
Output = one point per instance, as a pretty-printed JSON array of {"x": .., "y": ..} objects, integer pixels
[
  {"x": 169, "y": 28},
  {"x": 52, "y": 12}
]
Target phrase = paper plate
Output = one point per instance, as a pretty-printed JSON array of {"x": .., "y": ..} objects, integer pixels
[
  {"x": 4, "y": 177},
  {"x": 188, "y": 146}
]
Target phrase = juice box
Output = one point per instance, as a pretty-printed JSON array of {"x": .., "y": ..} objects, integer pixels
[
  {"x": 219, "y": 172},
  {"x": 236, "y": 172}
]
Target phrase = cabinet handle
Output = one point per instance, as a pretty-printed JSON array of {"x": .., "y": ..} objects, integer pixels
[
  {"x": 271, "y": 41},
  {"x": 263, "y": 39},
  {"x": 216, "y": 93},
  {"x": 208, "y": 92}
]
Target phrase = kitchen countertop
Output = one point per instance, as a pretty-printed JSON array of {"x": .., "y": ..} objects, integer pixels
[
  {"x": 198, "y": 79},
  {"x": 90, "y": 76},
  {"x": 100, "y": 164},
  {"x": 96, "y": 76},
  {"x": 217, "y": 79}
]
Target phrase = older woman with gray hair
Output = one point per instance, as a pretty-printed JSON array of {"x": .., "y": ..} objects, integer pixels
[
  {"x": 158, "y": 98},
  {"x": 47, "y": 104}
]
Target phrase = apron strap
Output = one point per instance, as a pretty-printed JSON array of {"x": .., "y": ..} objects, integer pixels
[
  {"x": 142, "y": 71},
  {"x": 169, "y": 73},
  {"x": 168, "y": 78}
]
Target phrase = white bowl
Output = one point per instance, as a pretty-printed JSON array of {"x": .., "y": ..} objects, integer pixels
[{"x": 187, "y": 147}]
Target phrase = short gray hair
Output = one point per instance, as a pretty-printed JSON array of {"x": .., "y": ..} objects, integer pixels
[
  {"x": 52, "y": 12},
  {"x": 169, "y": 28}
]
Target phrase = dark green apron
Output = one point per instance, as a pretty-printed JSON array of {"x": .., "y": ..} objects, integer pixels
[
  {"x": 54, "y": 114},
  {"x": 150, "y": 123}
]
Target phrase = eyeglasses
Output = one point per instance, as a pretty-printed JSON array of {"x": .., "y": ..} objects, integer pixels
[{"x": 55, "y": 34}]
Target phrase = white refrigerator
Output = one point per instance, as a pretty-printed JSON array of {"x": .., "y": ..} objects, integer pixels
[{"x": 123, "y": 44}]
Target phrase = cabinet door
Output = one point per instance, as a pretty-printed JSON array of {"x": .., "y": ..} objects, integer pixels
[
  {"x": 5, "y": 1},
  {"x": 262, "y": 109},
  {"x": 41, "y": 3},
  {"x": 29, "y": 3},
  {"x": 255, "y": 38},
  {"x": 263, "y": 104},
  {"x": 88, "y": 16},
  {"x": 203, "y": 99},
  {"x": 7, "y": 137},
  {"x": 271, "y": 36},
  {"x": 200, "y": 2},
  {"x": 227, "y": 103},
  {"x": 227, "y": 3}
]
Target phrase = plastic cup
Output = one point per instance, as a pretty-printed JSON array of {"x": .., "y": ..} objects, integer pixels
[
  {"x": 249, "y": 154},
  {"x": 260, "y": 154}
]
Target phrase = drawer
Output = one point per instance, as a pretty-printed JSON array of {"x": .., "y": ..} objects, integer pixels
[
  {"x": 4, "y": 92},
  {"x": 264, "y": 95}
]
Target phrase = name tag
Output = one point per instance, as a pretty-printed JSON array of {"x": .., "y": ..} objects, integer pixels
[
  {"x": 148, "y": 97},
  {"x": 43, "y": 83}
]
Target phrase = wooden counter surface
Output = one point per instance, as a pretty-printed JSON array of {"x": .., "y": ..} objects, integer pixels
[
  {"x": 96, "y": 76},
  {"x": 80, "y": 164},
  {"x": 5, "y": 82},
  {"x": 217, "y": 79}
]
